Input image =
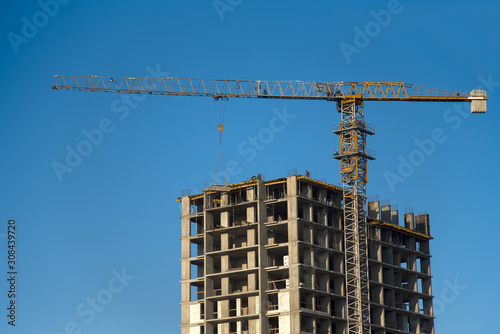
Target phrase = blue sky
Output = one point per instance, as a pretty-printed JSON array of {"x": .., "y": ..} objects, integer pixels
[{"x": 108, "y": 232}]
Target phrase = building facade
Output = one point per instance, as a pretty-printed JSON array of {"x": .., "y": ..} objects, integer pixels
[{"x": 267, "y": 257}]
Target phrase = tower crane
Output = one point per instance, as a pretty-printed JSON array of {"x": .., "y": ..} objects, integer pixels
[{"x": 353, "y": 131}]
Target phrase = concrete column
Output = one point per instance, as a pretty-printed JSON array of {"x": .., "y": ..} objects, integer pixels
[
  {"x": 386, "y": 213},
  {"x": 185, "y": 213},
  {"x": 412, "y": 262},
  {"x": 414, "y": 320},
  {"x": 224, "y": 219},
  {"x": 224, "y": 199},
  {"x": 251, "y": 195},
  {"x": 409, "y": 221},
  {"x": 252, "y": 282},
  {"x": 209, "y": 328},
  {"x": 307, "y": 210},
  {"x": 185, "y": 228},
  {"x": 251, "y": 237},
  {"x": 376, "y": 272},
  {"x": 322, "y": 196},
  {"x": 185, "y": 297},
  {"x": 262, "y": 300},
  {"x": 426, "y": 286},
  {"x": 322, "y": 217},
  {"x": 251, "y": 214},
  {"x": 293, "y": 251},
  {"x": 291, "y": 185},
  {"x": 185, "y": 263},
  {"x": 224, "y": 241},
  {"x": 412, "y": 282},
  {"x": 413, "y": 303},
  {"x": 295, "y": 311},
  {"x": 374, "y": 210},
  {"x": 293, "y": 271},
  {"x": 292, "y": 226},
  {"x": 225, "y": 288},
  {"x": 209, "y": 287},
  {"x": 378, "y": 250},
  {"x": 224, "y": 263},
  {"x": 428, "y": 307},
  {"x": 426, "y": 266},
  {"x": 424, "y": 246},
  {"x": 252, "y": 259},
  {"x": 394, "y": 217},
  {"x": 185, "y": 269}
]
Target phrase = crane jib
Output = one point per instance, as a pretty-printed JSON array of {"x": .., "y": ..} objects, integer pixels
[{"x": 305, "y": 90}]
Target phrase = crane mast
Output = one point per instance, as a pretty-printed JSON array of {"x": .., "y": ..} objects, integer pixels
[
  {"x": 353, "y": 158},
  {"x": 353, "y": 154}
]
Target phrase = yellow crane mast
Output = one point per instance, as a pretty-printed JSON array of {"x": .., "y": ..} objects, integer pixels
[{"x": 353, "y": 154}]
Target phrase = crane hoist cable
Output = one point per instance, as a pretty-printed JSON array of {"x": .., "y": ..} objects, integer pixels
[{"x": 219, "y": 119}]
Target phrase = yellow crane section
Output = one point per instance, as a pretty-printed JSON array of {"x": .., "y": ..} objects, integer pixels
[{"x": 311, "y": 90}]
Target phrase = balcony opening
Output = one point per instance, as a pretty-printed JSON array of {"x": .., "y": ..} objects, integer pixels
[
  {"x": 196, "y": 271},
  {"x": 306, "y": 324},
  {"x": 273, "y": 325},
  {"x": 276, "y": 191},
  {"x": 232, "y": 308},
  {"x": 196, "y": 226},
  {"x": 196, "y": 206},
  {"x": 306, "y": 279},
  {"x": 306, "y": 300},
  {"x": 196, "y": 249},
  {"x": 196, "y": 293},
  {"x": 323, "y": 326},
  {"x": 272, "y": 302},
  {"x": 238, "y": 263},
  {"x": 238, "y": 217},
  {"x": 300, "y": 210},
  {"x": 277, "y": 234},
  {"x": 278, "y": 281},
  {"x": 238, "y": 285}
]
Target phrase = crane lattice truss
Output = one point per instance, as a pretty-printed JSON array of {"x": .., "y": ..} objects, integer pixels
[{"x": 353, "y": 154}]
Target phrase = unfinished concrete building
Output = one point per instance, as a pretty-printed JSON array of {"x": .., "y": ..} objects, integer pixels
[{"x": 267, "y": 257}]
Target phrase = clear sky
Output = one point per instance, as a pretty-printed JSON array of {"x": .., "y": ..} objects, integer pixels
[{"x": 98, "y": 247}]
